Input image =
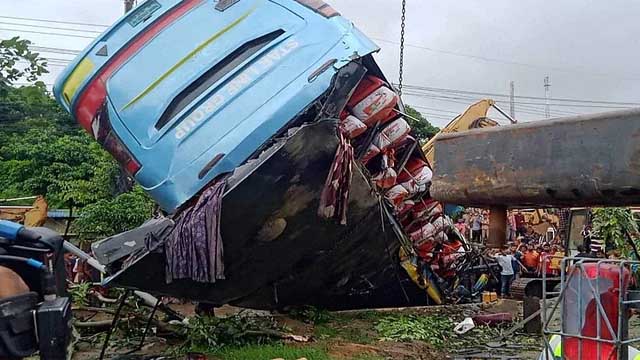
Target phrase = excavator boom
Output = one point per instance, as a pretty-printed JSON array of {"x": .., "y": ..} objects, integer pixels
[{"x": 473, "y": 118}]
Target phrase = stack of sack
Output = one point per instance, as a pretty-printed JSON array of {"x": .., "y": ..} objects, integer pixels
[{"x": 404, "y": 186}]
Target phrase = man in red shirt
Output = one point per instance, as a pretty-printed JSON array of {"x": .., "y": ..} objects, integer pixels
[{"x": 531, "y": 259}]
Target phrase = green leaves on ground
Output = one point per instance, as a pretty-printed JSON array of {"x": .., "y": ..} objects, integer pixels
[
  {"x": 311, "y": 315},
  {"x": 207, "y": 334},
  {"x": 431, "y": 329}
]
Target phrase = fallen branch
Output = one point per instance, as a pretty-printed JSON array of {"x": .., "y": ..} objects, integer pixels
[
  {"x": 100, "y": 323},
  {"x": 104, "y": 299},
  {"x": 94, "y": 309},
  {"x": 275, "y": 334}
]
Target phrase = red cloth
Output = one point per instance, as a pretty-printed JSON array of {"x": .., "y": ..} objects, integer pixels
[{"x": 334, "y": 199}]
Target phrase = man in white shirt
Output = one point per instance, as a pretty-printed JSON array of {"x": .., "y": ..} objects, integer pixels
[{"x": 504, "y": 259}]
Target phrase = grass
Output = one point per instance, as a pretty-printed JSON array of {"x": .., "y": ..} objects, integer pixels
[
  {"x": 369, "y": 357},
  {"x": 355, "y": 328},
  {"x": 274, "y": 351}
]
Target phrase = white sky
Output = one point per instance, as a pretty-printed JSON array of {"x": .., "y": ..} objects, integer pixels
[{"x": 589, "y": 48}]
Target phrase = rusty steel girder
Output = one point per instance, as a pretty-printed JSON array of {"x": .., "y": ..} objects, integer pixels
[{"x": 586, "y": 160}]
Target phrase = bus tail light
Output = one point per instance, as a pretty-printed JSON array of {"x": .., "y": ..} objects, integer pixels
[{"x": 320, "y": 7}]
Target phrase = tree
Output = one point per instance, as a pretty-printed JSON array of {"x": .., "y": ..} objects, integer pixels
[
  {"x": 18, "y": 62},
  {"x": 42, "y": 152},
  {"x": 422, "y": 127},
  {"x": 107, "y": 217},
  {"x": 613, "y": 225}
]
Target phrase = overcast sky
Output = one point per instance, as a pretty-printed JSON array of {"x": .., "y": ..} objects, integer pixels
[{"x": 590, "y": 49}]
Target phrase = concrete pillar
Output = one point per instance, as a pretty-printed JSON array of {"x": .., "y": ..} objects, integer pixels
[{"x": 497, "y": 227}]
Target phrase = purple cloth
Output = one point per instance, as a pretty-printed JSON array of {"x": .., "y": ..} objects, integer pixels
[{"x": 194, "y": 247}]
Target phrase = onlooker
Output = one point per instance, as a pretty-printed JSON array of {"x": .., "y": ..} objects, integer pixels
[
  {"x": 519, "y": 219},
  {"x": 462, "y": 228},
  {"x": 504, "y": 259},
  {"x": 516, "y": 262},
  {"x": 476, "y": 228},
  {"x": 485, "y": 225},
  {"x": 531, "y": 259},
  {"x": 545, "y": 259},
  {"x": 564, "y": 216},
  {"x": 597, "y": 247},
  {"x": 511, "y": 226},
  {"x": 530, "y": 235},
  {"x": 582, "y": 253},
  {"x": 556, "y": 260}
]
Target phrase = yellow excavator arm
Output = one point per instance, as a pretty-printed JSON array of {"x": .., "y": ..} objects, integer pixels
[{"x": 474, "y": 117}]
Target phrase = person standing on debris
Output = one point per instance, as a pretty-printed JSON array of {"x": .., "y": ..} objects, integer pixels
[
  {"x": 476, "y": 228},
  {"x": 504, "y": 259}
]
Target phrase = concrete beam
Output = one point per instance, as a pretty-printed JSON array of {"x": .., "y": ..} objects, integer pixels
[{"x": 587, "y": 160}]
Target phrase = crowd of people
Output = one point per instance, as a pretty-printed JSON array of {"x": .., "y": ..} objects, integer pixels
[
  {"x": 527, "y": 253},
  {"x": 525, "y": 259}
]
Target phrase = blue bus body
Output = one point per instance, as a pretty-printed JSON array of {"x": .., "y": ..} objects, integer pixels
[{"x": 183, "y": 91}]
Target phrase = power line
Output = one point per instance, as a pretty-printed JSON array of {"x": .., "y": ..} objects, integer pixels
[
  {"x": 48, "y": 33},
  {"x": 51, "y": 27},
  {"x": 517, "y": 97},
  {"x": 55, "y": 50},
  {"x": 468, "y": 100},
  {"x": 508, "y": 62},
  {"x": 53, "y": 21},
  {"x": 434, "y": 109}
]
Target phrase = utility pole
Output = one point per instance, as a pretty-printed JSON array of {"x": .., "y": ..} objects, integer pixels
[
  {"x": 128, "y": 5},
  {"x": 512, "y": 100},
  {"x": 547, "y": 95}
]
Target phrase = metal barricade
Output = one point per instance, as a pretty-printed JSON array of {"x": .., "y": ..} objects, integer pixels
[{"x": 585, "y": 291}]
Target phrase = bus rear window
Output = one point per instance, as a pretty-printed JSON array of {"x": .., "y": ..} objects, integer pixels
[{"x": 213, "y": 75}]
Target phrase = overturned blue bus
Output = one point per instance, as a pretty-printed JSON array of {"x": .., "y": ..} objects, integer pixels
[{"x": 276, "y": 149}]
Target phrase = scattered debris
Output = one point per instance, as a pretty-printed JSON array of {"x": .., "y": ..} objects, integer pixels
[{"x": 464, "y": 326}]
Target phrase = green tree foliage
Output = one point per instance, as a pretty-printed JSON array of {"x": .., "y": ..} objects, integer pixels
[
  {"x": 422, "y": 128},
  {"x": 112, "y": 216},
  {"x": 44, "y": 152},
  {"x": 17, "y": 62},
  {"x": 613, "y": 225}
]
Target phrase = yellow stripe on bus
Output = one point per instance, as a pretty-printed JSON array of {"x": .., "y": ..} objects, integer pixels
[
  {"x": 188, "y": 57},
  {"x": 78, "y": 75}
]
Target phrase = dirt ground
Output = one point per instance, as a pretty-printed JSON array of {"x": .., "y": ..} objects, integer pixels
[{"x": 352, "y": 335}]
